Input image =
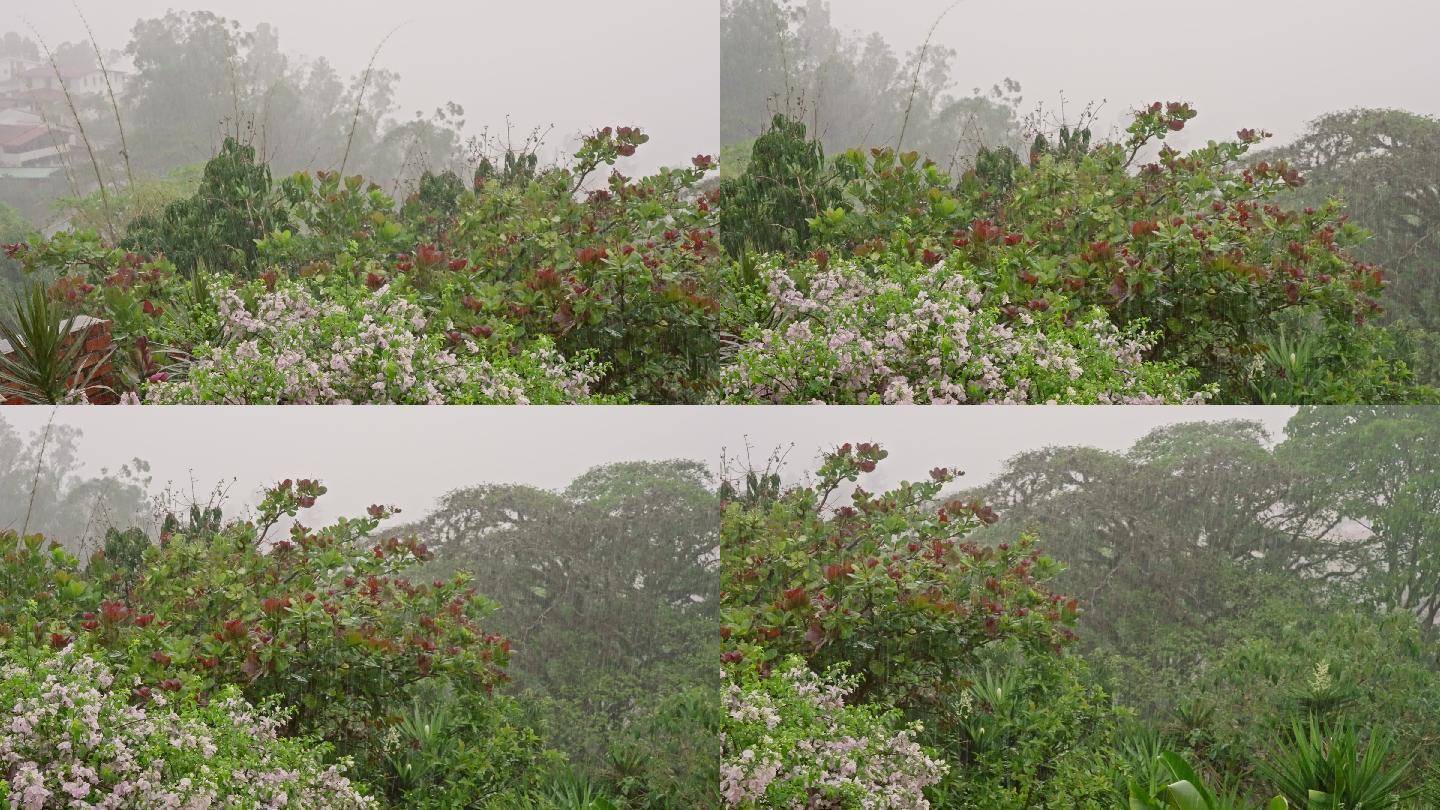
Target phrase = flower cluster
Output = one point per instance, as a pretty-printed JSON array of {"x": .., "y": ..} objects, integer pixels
[
  {"x": 72, "y": 738},
  {"x": 897, "y": 333},
  {"x": 291, "y": 347},
  {"x": 791, "y": 742}
]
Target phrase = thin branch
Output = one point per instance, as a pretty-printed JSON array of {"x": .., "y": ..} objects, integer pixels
[
  {"x": 920, "y": 65},
  {"x": 109, "y": 89},
  {"x": 80, "y": 126},
  {"x": 360, "y": 96},
  {"x": 39, "y": 465}
]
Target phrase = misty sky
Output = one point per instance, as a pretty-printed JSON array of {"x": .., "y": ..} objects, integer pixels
[
  {"x": 577, "y": 65},
  {"x": 409, "y": 456},
  {"x": 1272, "y": 64}
]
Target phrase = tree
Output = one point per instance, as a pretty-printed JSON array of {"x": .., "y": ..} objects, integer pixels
[
  {"x": 852, "y": 90},
  {"x": 16, "y": 44},
  {"x": 220, "y": 225},
  {"x": 41, "y": 482},
  {"x": 617, "y": 569},
  {"x": 785, "y": 183},
  {"x": 201, "y": 77},
  {"x": 1378, "y": 469},
  {"x": 1383, "y": 164}
]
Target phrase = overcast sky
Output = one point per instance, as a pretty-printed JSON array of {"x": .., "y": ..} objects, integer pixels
[
  {"x": 1267, "y": 64},
  {"x": 575, "y": 64},
  {"x": 409, "y": 456}
]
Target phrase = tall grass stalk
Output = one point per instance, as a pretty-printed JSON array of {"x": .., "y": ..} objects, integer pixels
[
  {"x": 63, "y": 153},
  {"x": 920, "y": 65},
  {"x": 360, "y": 96},
  {"x": 39, "y": 465},
  {"x": 110, "y": 91},
  {"x": 80, "y": 127}
]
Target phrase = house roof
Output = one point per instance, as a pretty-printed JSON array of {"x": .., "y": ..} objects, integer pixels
[
  {"x": 21, "y": 135},
  {"x": 46, "y": 71},
  {"x": 14, "y": 116},
  {"x": 39, "y": 94}
]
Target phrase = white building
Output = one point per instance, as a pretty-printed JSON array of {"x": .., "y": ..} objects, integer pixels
[
  {"x": 11, "y": 67},
  {"x": 85, "y": 82}
]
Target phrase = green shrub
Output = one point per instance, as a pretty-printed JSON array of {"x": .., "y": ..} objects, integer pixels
[
  {"x": 792, "y": 740},
  {"x": 323, "y": 622},
  {"x": 73, "y": 735},
  {"x": 1332, "y": 768},
  {"x": 785, "y": 181},
  {"x": 219, "y": 225}
]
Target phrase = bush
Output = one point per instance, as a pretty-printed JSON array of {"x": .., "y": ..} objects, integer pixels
[
  {"x": 1032, "y": 732},
  {"x": 889, "y": 331},
  {"x": 324, "y": 622},
  {"x": 1288, "y": 663},
  {"x": 218, "y": 226},
  {"x": 669, "y": 758},
  {"x": 791, "y": 741},
  {"x": 531, "y": 270},
  {"x": 293, "y": 347},
  {"x": 1193, "y": 248},
  {"x": 458, "y": 749},
  {"x": 73, "y": 736},
  {"x": 1336, "y": 769},
  {"x": 768, "y": 206},
  {"x": 886, "y": 586}
]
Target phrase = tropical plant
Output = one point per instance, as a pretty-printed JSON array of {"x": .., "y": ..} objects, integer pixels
[
  {"x": 1194, "y": 249},
  {"x": 322, "y": 621},
  {"x": 1332, "y": 768},
  {"x": 786, "y": 179},
  {"x": 1188, "y": 791},
  {"x": 41, "y": 358},
  {"x": 535, "y": 284}
]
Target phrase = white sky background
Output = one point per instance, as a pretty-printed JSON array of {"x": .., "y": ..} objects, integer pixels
[
  {"x": 1263, "y": 64},
  {"x": 577, "y": 64},
  {"x": 409, "y": 456}
]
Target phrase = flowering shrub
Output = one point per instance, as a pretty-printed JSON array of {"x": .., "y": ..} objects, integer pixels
[
  {"x": 890, "y": 587},
  {"x": 887, "y": 585},
  {"x": 355, "y": 346},
  {"x": 73, "y": 738},
  {"x": 1195, "y": 249},
  {"x": 853, "y": 332},
  {"x": 790, "y": 741},
  {"x": 532, "y": 284},
  {"x": 323, "y": 621}
]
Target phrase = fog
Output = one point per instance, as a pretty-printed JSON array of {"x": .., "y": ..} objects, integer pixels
[
  {"x": 576, "y": 66},
  {"x": 1273, "y": 65},
  {"x": 389, "y": 91},
  {"x": 410, "y": 456}
]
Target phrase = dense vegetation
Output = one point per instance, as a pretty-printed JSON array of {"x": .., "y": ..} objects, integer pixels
[
  {"x": 1383, "y": 164},
  {"x": 1081, "y": 274},
  {"x": 343, "y": 667},
  {"x": 251, "y": 248},
  {"x": 877, "y": 277},
  {"x": 895, "y": 242},
  {"x": 518, "y": 284},
  {"x": 1225, "y": 622}
]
